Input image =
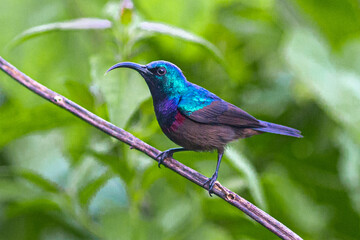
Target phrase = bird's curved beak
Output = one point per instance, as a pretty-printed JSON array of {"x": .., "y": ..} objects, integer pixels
[{"x": 142, "y": 69}]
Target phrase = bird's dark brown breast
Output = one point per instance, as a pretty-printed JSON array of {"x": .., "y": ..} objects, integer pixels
[{"x": 203, "y": 137}]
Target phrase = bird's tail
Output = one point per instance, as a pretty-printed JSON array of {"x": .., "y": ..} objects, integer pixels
[{"x": 278, "y": 129}]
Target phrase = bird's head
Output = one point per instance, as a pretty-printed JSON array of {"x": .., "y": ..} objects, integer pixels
[{"x": 162, "y": 77}]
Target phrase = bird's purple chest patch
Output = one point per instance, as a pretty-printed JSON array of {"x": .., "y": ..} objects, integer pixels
[{"x": 166, "y": 112}]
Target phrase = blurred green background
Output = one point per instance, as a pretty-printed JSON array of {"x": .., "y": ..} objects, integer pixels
[{"x": 288, "y": 61}]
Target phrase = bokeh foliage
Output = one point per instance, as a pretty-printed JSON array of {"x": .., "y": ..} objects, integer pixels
[{"x": 288, "y": 61}]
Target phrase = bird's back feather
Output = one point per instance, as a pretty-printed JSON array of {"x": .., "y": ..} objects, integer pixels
[{"x": 223, "y": 113}]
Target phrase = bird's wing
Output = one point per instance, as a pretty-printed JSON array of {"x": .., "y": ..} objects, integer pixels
[{"x": 220, "y": 112}]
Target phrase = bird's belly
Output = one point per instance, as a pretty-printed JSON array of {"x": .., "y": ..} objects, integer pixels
[{"x": 200, "y": 137}]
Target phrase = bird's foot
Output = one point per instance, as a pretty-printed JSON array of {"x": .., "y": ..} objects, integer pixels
[
  {"x": 211, "y": 183},
  {"x": 162, "y": 156}
]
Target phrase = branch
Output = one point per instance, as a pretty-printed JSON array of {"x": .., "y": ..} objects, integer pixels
[{"x": 248, "y": 208}]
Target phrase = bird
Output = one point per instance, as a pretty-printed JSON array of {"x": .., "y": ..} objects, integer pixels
[{"x": 195, "y": 118}]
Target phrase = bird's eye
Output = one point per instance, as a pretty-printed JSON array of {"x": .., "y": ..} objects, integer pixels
[{"x": 161, "y": 71}]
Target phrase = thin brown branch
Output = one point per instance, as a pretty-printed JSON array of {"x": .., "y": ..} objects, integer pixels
[{"x": 248, "y": 208}]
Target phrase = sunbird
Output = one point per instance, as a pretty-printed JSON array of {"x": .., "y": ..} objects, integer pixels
[{"x": 195, "y": 118}]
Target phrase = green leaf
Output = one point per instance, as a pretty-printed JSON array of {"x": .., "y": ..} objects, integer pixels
[
  {"x": 38, "y": 180},
  {"x": 294, "y": 203},
  {"x": 211, "y": 231},
  {"x": 127, "y": 9},
  {"x": 42, "y": 155},
  {"x": 121, "y": 219},
  {"x": 240, "y": 163},
  {"x": 39, "y": 204},
  {"x": 86, "y": 171},
  {"x": 349, "y": 168},
  {"x": 111, "y": 197},
  {"x": 17, "y": 120},
  {"x": 336, "y": 89},
  {"x": 119, "y": 166},
  {"x": 85, "y": 99},
  {"x": 162, "y": 28},
  {"x": 11, "y": 190},
  {"x": 123, "y": 90},
  {"x": 75, "y": 24},
  {"x": 77, "y": 139},
  {"x": 90, "y": 190},
  {"x": 177, "y": 215}
]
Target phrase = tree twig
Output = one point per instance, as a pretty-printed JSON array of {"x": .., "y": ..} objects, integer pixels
[{"x": 248, "y": 208}]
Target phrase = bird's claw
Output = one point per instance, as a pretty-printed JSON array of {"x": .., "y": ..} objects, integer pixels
[
  {"x": 162, "y": 156},
  {"x": 211, "y": 181}
]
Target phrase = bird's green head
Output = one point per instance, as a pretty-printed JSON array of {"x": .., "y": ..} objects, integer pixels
[{"x": 162, "y": 77}]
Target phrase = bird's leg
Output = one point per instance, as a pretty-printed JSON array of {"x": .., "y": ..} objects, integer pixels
[
  {"x": 212, "y": 180},
  {"x": 168, "y": 154}
]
